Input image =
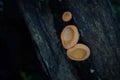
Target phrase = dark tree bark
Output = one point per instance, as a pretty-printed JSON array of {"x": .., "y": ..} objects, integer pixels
[{"x": 99, "y": 30}]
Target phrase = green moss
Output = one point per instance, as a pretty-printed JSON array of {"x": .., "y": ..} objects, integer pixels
[
  {"x": 24, "y": 76},
  {"x": 116, "y": 6}
]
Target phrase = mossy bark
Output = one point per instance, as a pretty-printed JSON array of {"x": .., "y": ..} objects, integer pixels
[{"x": 98, "y": 28}]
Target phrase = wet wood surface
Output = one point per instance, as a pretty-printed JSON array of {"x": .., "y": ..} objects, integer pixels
[{"x": 98, "y": 27}]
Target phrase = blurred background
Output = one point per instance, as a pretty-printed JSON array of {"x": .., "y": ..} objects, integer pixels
[{"x": 18, "y": 60}]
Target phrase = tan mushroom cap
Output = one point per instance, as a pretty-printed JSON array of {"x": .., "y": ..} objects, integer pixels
[
  {"x": 67, "y": 16},
  {"x": 79, "y": 52},
  {"x": 69, "y": 36}
]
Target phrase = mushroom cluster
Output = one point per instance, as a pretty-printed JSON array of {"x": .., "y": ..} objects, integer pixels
[{"x": 69, "y": 38}]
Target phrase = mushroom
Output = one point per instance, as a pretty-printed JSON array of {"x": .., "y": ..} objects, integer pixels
[
  {"x": 79, "y": 52},
  {"x": 69, "y": 36},
  {"x": 67, "y": 16}
]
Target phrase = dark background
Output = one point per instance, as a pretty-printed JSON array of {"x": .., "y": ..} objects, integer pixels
[
  {"x": 17, "y": 55},
  {"x": 18, "y": 60}
]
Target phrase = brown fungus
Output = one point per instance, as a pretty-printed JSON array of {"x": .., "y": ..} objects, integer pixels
[
  {"x": 67, "y": 16},
  {"x": 79, "y": 52},
  {"x": 69, "y": 36}
]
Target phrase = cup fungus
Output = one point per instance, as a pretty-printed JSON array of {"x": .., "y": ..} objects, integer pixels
[
  {"x": 69, "y": 36},
  {"x": 79, "y": 52},
  {"x": 67, "y": 16}
]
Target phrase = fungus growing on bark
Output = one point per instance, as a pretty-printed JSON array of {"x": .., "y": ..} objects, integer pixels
[
  {"x": 67, "y": 16},
  {"x": 79, "y": 52},
  {"x": 69, "y": 36}
]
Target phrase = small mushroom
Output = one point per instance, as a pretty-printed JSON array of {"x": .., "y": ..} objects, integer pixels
[
  {"x": 69, "y": 36},
  {"x": 79, "y": 52},
  {"x": 67, "y": 16}
]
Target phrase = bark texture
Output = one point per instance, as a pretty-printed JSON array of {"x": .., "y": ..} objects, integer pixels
[{"x": 98, "y": 28}]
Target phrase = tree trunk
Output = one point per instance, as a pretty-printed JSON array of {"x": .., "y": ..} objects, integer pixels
[{"x": 98, "y": 28}]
